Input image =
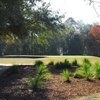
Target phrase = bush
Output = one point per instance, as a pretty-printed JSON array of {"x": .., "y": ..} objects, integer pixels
[
  {"x": 35, "y": 83},
  {"x": 43, "y": 71},
  {"x": 39, "y": 62},
  {"x": 74, "y": 63},
  {"x": 86, "y": 61},
  {"x": 63, "y": 65},
  {"x": 86, "y": 69},
  {"x": 78, "y": 73},
  {"x": 51, "y": 63},
  {"x": 97, "y": 70},
  {"x": 66, "y": 75}
]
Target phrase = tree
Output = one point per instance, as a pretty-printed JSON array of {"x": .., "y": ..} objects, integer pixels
[
  {"x": 20, "y": 17},
  {"x": 94, "y": 37}
]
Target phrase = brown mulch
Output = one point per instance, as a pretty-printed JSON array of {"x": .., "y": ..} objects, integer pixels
[{"x": 14, "y": 87}]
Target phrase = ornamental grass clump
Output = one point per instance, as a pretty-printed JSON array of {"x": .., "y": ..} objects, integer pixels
[{"x": 66, "y": 75}]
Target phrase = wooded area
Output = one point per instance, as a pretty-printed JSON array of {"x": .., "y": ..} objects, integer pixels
[{"x": 30, "y": 27}]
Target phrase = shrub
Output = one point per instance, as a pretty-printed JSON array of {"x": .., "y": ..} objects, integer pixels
[
  {"x": 74, "y": 63},
  {"x": 86, "y": 61},
  {"x": 15, "y": 69},
  {"x": 79, "y": 73},
  {"x": 39, "y": 62},
  {"x": 63, "y": 65},
  {"x": 36, "y": 82},
  {"x": 66, "y": 75},
  {"x": 86, "y": 69},
  {"x": 67, "y": 64},
  {"x": 51, "y": 63},
  {"x": 97, "y": 70},
  {"x": 43, "y": 71}
]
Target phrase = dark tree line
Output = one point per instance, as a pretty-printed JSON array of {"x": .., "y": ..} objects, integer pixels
[{"x": 30, "y": 27}]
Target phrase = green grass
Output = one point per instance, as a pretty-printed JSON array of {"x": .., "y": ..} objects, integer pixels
[{"x": 30, "y": 61}]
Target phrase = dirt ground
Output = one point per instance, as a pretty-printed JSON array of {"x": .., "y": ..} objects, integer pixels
[{"x": 14, "y": 87}]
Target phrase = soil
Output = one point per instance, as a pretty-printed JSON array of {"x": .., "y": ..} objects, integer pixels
[{"x": 14, "y": 86}]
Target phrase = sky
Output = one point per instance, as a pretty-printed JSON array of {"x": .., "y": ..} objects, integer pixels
[{"x": 78, "y": 9}]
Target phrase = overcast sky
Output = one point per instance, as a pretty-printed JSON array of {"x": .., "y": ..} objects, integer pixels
[{"x": 78, "y": 9}]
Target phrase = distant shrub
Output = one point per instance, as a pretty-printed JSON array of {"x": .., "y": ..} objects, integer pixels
[
  {"x": 66, "y": 75},
  {"x": 39, "y": 62},
  {"x": 51, "y": 63},
  {"x": 63, "y": 65},
  {"x": 75, "y": 63}
]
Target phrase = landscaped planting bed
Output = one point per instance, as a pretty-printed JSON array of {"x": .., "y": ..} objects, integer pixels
[{"x": 15, "y": 85}]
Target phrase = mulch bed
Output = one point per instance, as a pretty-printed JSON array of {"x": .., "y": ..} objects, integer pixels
[{"x": 14, "y": 87}]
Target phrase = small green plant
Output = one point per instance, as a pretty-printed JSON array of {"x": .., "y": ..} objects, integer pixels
[
  {"x": 15, "y": 69},
  {"x": 74, "y": 63},
  {"x": 39, "y": 62},
  {"x": 87, "y": 69},
  {"x": 51, "y": 63},
  {"x": 67, "y": 64},
  {"x": 79, "y": 73},
  {"x": 66, "y": 75},
  {"x": 97, "y": 70},
  {"x": 63, "y": 65},
  {"x": 85, "y": 60},
  {"x": 36, "y": 82},
  {"x": 43, "y": 71}
]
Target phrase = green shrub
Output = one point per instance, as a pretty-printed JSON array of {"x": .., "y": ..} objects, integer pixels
[
  {"x": 84, "y": 71},
  {"x": 43, "y": 71},
  {"x": 86, "y": 66},
  {"x": 15, "y": 69},
  {"x": 79, "y": 73},
  {"x": 66, "y": 75},
  {"x": 97, "y": 70},
  {"x": 51, "y": 63},
  {"x": 39, "y": 62},
  {"x": 85, "y": 60},
  {"x": 63, "y": 65},
  {"x": 36, "y": 82},
  {"x": 74, "y": 63}
]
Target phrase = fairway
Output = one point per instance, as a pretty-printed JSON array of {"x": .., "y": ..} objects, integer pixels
[{"x": 30, "y": 61}]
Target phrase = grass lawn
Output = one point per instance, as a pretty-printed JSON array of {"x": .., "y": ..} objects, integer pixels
[{"x": 30, "y": 61}]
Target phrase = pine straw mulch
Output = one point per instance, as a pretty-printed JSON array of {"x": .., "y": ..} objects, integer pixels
[{"x": 14, "y": 87}]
